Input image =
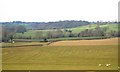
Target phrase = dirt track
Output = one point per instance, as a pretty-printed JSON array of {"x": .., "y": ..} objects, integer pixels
[{"x": 112, "y": 41}]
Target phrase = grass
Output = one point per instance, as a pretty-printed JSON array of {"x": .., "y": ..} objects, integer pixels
[
  {"x": 113, "y": 27},
  {"x": 75, "y": 57},
  {"x": 76, "y": 38},
  {"x": 23, "y": 44},
  {"x": 32, "y": 33}
]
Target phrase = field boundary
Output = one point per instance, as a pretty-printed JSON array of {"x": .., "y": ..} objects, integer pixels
[
  {"x": 53, "y": 41},
  {"x": 22, "y": 46}
]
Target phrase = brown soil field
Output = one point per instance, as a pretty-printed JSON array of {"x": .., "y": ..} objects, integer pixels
[{"x": 111, "y": 41}]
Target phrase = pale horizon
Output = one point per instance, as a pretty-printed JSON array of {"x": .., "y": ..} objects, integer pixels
[{"x": 58, "y": 10}]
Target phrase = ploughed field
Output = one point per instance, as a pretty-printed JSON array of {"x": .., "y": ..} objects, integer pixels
[
  {"x": 112, "y": 41},
  {"x": 63, "y": 55}
]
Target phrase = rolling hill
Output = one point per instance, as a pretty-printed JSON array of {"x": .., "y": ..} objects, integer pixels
[{"x": 32, "y": 33}]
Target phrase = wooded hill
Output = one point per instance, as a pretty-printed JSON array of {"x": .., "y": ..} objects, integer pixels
[
  {"x": 47, "y": 25},
  {"x": 60, "y": 29}
]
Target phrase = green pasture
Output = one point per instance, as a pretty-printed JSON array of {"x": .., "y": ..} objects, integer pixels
[
  {"x": 23, "y": 44},
  {"x": 32, "y": 33},
  {"x": 113, "y": 27}
]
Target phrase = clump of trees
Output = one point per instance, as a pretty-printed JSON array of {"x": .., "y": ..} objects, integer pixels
[
  {"x": 98, "y": 31},
  {"x": 21, "y": 29},
  {"x": 57, "y": 33},
  {"x": 8, "y": 32}
]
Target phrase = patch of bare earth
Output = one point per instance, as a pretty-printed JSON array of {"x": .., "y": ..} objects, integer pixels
[{"x": 111, "y": 41}]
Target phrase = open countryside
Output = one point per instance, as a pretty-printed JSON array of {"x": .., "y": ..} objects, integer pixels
[
  {"x": 62, "y": 45},
  {"x": 61, "y": 56}
]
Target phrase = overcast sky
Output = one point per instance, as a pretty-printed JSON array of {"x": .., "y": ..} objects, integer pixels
[{"x": 55, "y": 10}]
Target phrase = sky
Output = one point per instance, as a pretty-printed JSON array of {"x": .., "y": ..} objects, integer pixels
[{"x": 56, "y": 10}]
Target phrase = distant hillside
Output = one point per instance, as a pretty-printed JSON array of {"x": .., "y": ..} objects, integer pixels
[
  {"x": 59, "y": 29},
  {"x": 47, "y": 25},
  {"x": 111, "y": 27},
  {"x": 75, "y": 30},
  {"x": 52, "y": 25},
  {"x": 60, "y": 24}
]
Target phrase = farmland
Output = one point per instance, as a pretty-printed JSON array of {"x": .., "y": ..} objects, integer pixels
[
  {"x": 112, "y": 41},
  {"x": 63, "y": 45},
  {"x": 32, "y": 33},
  {"x": 93, "y": 26},
  {"x": 63, "y": 55},
  {"x": 19, "y": 44}
]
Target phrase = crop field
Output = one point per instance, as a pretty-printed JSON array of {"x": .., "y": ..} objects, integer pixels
[
  {"x": 112, "y": 41},
  {"x": 63, "y": 57}
]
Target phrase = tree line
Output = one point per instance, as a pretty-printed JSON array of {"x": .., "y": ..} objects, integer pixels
[{"x": 8, "y": 33}]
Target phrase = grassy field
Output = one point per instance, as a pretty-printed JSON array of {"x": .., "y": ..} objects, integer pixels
[
  {"x": 32, "y": 33},
  {"x": 64, "y": 57},
  {"x": 17, "y": 44},
  {"x": 113, "y": 27}
]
